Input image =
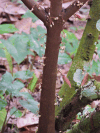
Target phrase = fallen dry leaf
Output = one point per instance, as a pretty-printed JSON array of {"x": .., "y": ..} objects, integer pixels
[
  {"x": 24, "y": 25},
  {"x": 27, "y": 120}
]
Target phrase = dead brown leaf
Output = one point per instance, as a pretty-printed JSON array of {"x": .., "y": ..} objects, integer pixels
[
  {"x": 24, "y": 25},
  {"x": 27, "y": 120}
]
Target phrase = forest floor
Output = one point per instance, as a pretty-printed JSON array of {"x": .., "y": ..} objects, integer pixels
[{"x": 12, "y": 15}]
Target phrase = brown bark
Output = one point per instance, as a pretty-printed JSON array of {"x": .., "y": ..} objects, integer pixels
[
  {"x": 36, "y": 9},
  {"x": 42, "y": 15},
  {"x": 54, "y": 24},
  {"x": 47, "y": 107},
  {"x": 71, "y": 9},
  {"x": 69, "y": 112}
]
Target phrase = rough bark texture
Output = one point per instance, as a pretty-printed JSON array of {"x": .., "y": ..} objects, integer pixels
[
  {"x": 36, "y": 9},
  {"x": 47, "y": 107},
  {"x": 83, "y": 56},
  {"x": 42, "y": 14},
  {"x": 89, "y": 124},
  {"x": 69, "y": 112},
  {"x": 54, "y": 27},
  {"x": 71, "y": 9}
]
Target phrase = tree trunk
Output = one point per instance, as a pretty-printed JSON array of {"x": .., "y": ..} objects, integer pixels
[
  {"x": 83, "y": 56},
  {"x": 47, "y": 107}
]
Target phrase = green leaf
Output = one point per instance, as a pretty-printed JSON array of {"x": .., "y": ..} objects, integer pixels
[
  {"x": 38, "y": 38},
  {"x": 98, "y": 67},
  {"x": 20, "y": 43},
  {"x": 14, "y": 111},
  {"x": 98, "y": 25},
  {"x": 31, "y": 15},
  {"x": 16, "y": 86},
  {"x": 26, "y": 95},
  {"x": 2, "y": 53},
  {"x": 3, "y": 113},
  {"x": 31, "y": 85},
  {"x": 11, "y": 49},
  {"x": 70, "y": 42},
  {"x": 23, "y": 74},
  {"x": 78, "y": 76},
  {"x": 63, "y": 58},
  {"x": 19, "y": 1},
  {"x": 79, "y": 116},
  {"x": 93, "y": 67},
  {"x": 17, "y": 46},
  {"x": 31, "y": 105},
  {"x": 98, "y": 48},
  {"x": 9, "y": 59},
  {"x": 1, "y": 45},
  {"x": 6, "y": 79},
  {"x": 90, "y": 92},
  {"x": 1, "y": 95},
  {"x": 88, "y": 109},
  {"x": 11, "y": 87},
  {"x": 7, "y": 28},
  {"x": 3, "y": 104},
  {"x": 70, "y": 36},
  {"x": 6, "y": 82}
]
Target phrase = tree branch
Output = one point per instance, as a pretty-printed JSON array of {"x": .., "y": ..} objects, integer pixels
[
  {"x": 84, "y": 54},
  {"x": 89, "y": 123},
  {"x": 71, "y": 9},
  {"x": 69, "y": 112},
  {"x": 36, "y": 9}
]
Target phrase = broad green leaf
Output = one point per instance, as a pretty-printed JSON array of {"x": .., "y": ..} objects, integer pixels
[
  {"x": 9, "y": 59},
  {"x": 70, "y": 42},
  {"x": 90, "y": 92},
  {"x": 37, "y": 39},
  {"x": 31, "y": 15},
  {"x": 30, "y": 53},
  {"x": 88, "y": 109},
  {"x": 93, "y": 67},
  {"x": 14, "y": 111},
  {"x": 31, "y": 85},
  {"x": 1, "y": 95},
  {"x": 7, "y": 78},
  {"x": 23, "y": 74},
  {"x": 26, "y": 95},
  {"x": 8, "y": 84},
  {"x": 3, "y": 113},
  {"x": 1, "y": 45},
  {"x": 63, "y": 58},
  {"x": 20, "y": 42},
  {"x": 98, "y": 25},
  {"x": 31, "y": 105},
  {"x": 2, "y": 53},
  {"x": 15, "y": 87},
  {"x": 7, "y": 28},
  {"x": 78, "y": 76},
  {"x": 98, "y": 67},
  {"x": 3, "y": 104},
  {"x": 19, "y": 1},
  {"x": 70, "y": 36},
  {"x": 11, "y": 49}
]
